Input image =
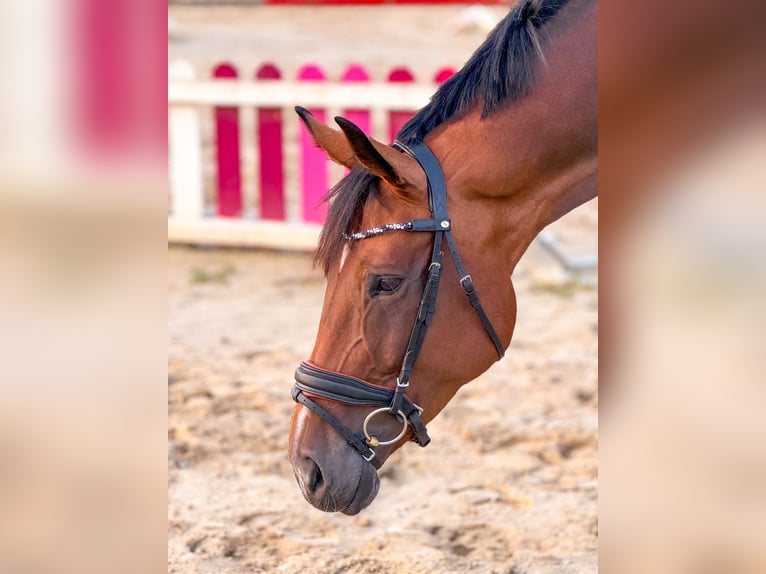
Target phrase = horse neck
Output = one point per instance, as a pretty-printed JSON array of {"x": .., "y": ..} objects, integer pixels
[{"x": 514, "y": 172}]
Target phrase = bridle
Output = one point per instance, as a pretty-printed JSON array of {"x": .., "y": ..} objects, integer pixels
[{"x": 312, "y": 381}]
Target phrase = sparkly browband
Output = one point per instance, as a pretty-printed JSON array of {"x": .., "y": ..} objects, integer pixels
[
  {"x": 414, "y": 225},
  {"x": 378, "y": 230}
]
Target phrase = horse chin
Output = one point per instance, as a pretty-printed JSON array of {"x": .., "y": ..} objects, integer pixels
[
  {"x": 349, "y": 486},
  {"x": 366, "y": 491}
]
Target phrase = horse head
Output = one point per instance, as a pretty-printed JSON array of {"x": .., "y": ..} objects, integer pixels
[{"x": 375, "y": 286}]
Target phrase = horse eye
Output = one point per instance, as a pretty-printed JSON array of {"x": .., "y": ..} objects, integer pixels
[
  {"x": 389, "y": 283},
  {"x": 386, "y": 285}
]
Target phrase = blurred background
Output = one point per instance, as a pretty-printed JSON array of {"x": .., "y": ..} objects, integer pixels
[
  {"x": 128, "y": 367},
  {"x": 515, "y": 458}
]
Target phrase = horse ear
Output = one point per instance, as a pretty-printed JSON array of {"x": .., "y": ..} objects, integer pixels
[
  {"x": 398, "y": 169},
  {"x": 333, "y": 142}
]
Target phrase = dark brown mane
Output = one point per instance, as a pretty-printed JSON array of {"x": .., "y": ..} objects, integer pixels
[
  {"x": 500, "y": 71},
  {"x": 347, "y": 199}
]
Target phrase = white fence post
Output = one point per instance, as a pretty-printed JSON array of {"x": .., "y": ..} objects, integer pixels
[{"x": 185, "y": 148}]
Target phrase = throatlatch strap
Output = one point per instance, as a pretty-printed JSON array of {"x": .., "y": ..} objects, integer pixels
[{"x": 466, "y": 282}]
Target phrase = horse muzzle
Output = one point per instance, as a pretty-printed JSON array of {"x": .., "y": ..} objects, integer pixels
[{"x": 347, "y": 485}]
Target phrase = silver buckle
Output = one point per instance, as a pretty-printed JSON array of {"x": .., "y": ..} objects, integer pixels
[
  {"x": 399, "y": 384},
  {"x": 372, "y": 455}
]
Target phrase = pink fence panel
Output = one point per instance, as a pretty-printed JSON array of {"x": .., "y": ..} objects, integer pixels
[
  {"x": 229, "y": 191},
  {"x": 443, "y": 75},
  {"x": 356, "y": 73},
  {"x": 397, "y": 118},
  {"x": 313, "y": 160},
  {"x": 272, "y": 181}
]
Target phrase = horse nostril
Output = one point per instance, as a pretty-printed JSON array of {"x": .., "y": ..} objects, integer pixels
[{"x": 314, "y": 476}]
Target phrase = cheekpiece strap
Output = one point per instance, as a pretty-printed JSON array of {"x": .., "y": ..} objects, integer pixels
[{"x": 437, "y": 193}]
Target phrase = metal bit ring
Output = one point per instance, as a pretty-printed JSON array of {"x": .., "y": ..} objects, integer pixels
[{"x": 373, "y": 439}]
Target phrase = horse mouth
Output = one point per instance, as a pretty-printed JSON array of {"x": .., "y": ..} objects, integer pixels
[
  {"x": 349, "y": 496},
  {"x": 363, "y": 496}
]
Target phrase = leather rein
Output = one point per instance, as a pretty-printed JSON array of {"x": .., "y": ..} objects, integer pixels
[{"x": 312, "y": 381}]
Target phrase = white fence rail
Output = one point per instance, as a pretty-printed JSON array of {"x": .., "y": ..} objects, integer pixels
[{"x": 192, "y": 217}]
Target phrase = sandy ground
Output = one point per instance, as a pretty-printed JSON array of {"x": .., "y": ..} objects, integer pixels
[{"x": 509, "y": 483}]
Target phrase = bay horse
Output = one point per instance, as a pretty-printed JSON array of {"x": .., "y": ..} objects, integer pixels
[{"x": 505, "y": 147}]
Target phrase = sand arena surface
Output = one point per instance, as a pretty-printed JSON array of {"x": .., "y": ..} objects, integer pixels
[{"x": 509, "y": 483}]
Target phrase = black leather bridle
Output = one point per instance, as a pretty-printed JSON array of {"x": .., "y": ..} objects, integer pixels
[{"x": 312, "y": 381}]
